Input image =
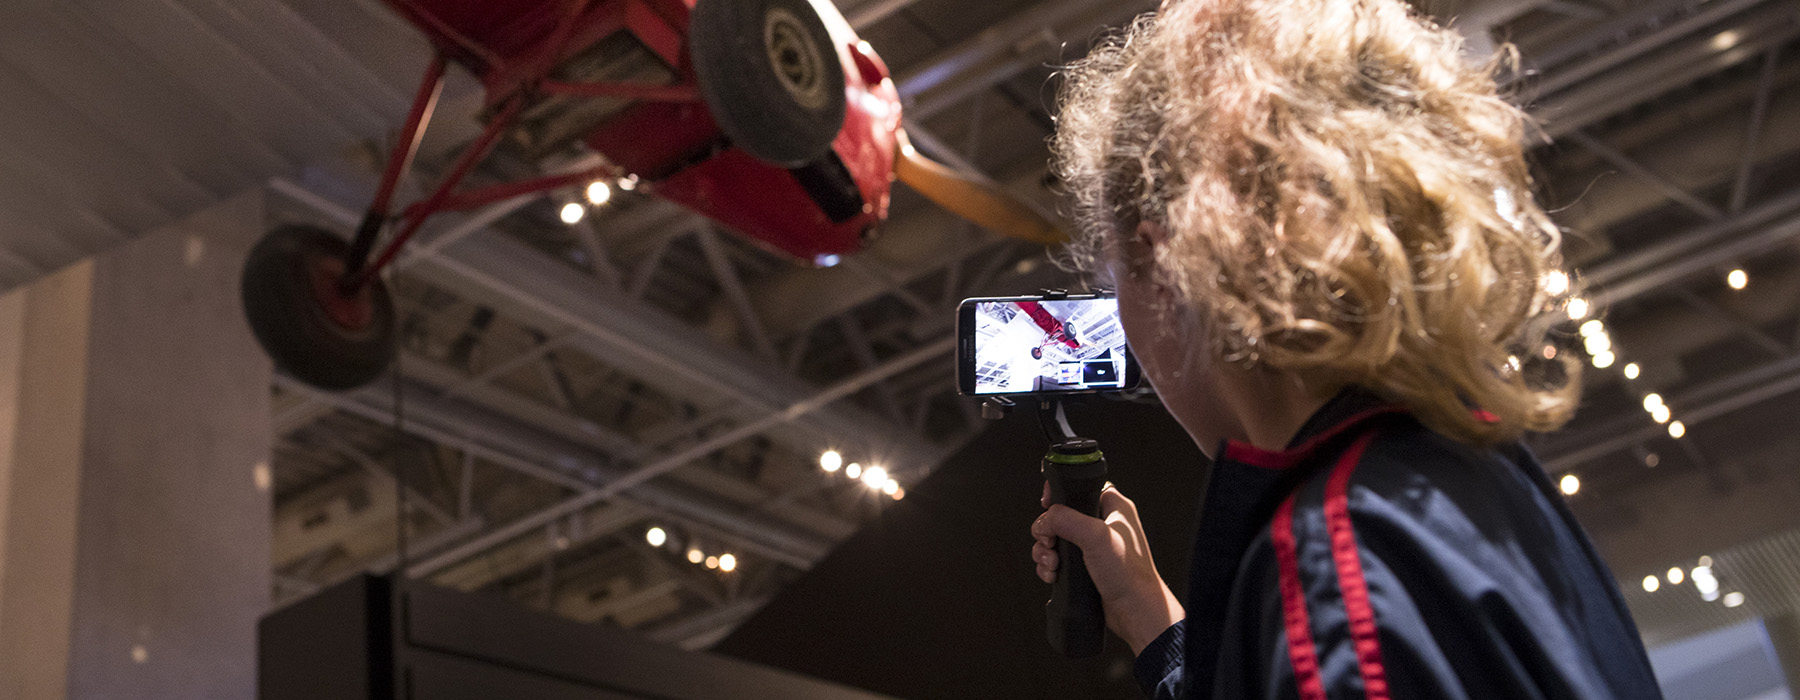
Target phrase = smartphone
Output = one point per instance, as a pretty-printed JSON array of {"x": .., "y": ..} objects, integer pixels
[{"x": 1042, "y": 345}]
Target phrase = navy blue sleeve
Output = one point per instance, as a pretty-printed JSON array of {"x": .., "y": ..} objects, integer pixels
[{"x": 1158, "y": 666}]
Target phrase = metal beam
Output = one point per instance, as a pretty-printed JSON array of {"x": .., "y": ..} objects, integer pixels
[
  {"x": 615, "y": 486},
  {"x": 1637, "y": 170},
  {"x": 1759, "y": 115},
  {"x": 519, "y": 447},
  {"x": 1697, "y": 405}
]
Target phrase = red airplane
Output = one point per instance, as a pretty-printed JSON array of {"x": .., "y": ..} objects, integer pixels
[
  {"x": 769, "y": 116},
  {"x": 1056, "y": 331}
]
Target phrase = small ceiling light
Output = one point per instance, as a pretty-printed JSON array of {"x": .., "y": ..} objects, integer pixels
[
  {"x": 712, "y": 562},
  {"x": 1710, "y": 596},
  {"x": 1556, "y": 282},
  {"x": 1549, "y": 352},
  {"x": 1652, "y": 459},
  {"x": 572, "y": 213},
  {"x": 1632, "y": 370},
  {"x": 696, "y": 556},
  {"x": 1676, "y": 575},
  {"x": 1651, "y": 401},
  {"x": 1705, "y": 561},
  {"x": 827, "y": 260},
  {"x": 899, "y": 494},
  {"x": 1676, "y": 429},
  {"x": 1660, "y": 414},
  {"x": 853, "y": 471},
  {"x": 875, "y": 477},
  {"x": 1578, "y": 309},
  {"x": 891, "y": 487},
  {"x": 1570, "y": 484},
  {"x": 1726, "y": 39},
  {"x": 1597, "y": 343},
  {"x": 1734, "y": 599},
  {"x": 1704, "y": 580},
  {"x": 656, "y": 537},
  {"x": 727, "y": 562},
  {"x": 1738, "y": 279},
  {"x": 1651, "y": 584},
  {"x": 598, "y": 192},
  {"x": 1592, "y": 328},
  {"x": 628, "y": 183},
  {"x": 1512, "y": 362},
  {"x": 831, "y": 461},
  {"x": 1604, "y": 359}
]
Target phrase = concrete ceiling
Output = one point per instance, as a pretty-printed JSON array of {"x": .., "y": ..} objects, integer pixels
[{"x": 573, "y": 386}]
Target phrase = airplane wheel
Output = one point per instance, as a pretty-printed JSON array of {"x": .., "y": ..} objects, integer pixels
[
  {"x": 311, "y": 330},
  {"x": 770, "y": 75}
]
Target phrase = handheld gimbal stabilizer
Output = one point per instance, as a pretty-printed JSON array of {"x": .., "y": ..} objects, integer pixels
[{"x": 1076, "y": 472}]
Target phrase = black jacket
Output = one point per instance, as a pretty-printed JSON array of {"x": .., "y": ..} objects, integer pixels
[{"x": 1375, "y": 559}]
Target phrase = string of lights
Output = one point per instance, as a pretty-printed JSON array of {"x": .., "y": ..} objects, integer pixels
[{"x": 1603, "y": 355}]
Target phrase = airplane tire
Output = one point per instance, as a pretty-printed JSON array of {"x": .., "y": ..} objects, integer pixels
[
  {"x": 312, "y": 331},
  {"x": 770, "y": 75}
]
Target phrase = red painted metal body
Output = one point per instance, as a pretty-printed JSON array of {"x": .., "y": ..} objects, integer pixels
[
  {"x": 666, "y": 136},
  {"x": 1053, "y": 329}
]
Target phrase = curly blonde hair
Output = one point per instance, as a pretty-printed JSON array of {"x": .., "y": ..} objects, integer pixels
[{"x": 1345, "y": 198}]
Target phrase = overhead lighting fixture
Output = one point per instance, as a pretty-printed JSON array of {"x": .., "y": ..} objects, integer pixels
[
  {"x": 1738, "y": 279},
  {"x": 1570, "y": 484},
  {"x": 1578, "y": 309},
  {"x": 712, "y": 562},
  {"x": 598, "y": 192},
  {"x": 1651, "y": 401},
  {"x": 1704, "y": 581},
  {"x": 696, "y": 556},
  {"x": 1592, "y": 328},
  {"x": 1632, "y": 370},
  {"x": 1556, "y": 282},
  {"x": 727, "y": 562},
  {"x": 628, "y": 183},
  {"x": 1705, "y": 561},
  {"x": 1651, "y": 584},
  {"x": 1660, "y": 414},
  {"x": 1549, "y": 352},
  {"x": 572, "y": 213},
  {"x": 1604, "y": 359},
  {"x": 1725, "y": 40},
  {"x": 1652, "y": 459},
  {"x": 875, "y": 477},
  {"x": 1597, "y": 343},
  {"x": 656, "y": 537},
  {"x": 1677, "y": 429},
  {"x": 899, "y": 493},
  {"x": 891, "y": 487},
  {"x": 1733, "y": 599},
  {"x": 1676, "y": 575},
  {"x": 853, "y": 471},
  {"x": 827, "y": 260},
  {"x": 831, "y": 461}
]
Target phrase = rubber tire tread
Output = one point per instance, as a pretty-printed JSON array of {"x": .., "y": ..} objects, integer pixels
[
  {"x": 746, "y": 98},
  {"x": 296, "y": 332}
]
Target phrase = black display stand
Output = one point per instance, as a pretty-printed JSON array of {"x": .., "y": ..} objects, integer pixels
[{"x": 372, "y": 639}]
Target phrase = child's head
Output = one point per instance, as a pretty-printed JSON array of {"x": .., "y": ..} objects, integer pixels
[{"x": 1324, "y": 188}]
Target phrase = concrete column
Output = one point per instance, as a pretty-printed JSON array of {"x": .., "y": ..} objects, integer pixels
[
  {"x": 134, "y": 446},
  {"x": 1784, "y": 641}
]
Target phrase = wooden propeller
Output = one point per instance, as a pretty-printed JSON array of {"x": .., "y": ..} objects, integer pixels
[{"x": 974, "y": 197}]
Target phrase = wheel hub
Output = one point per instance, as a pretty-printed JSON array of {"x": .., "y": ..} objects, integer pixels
[
  {"x": 352, "y": 311},
  {"x": 796, "y": 60}
]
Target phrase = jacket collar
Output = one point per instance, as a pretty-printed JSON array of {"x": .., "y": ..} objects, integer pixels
[{"x": 1343, "y": 414}]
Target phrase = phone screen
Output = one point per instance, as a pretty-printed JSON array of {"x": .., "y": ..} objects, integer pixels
[{"x": 1033, "y": 345}]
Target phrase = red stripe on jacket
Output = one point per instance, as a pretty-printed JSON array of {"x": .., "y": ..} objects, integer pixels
[{"x": 1303, "y": 654}]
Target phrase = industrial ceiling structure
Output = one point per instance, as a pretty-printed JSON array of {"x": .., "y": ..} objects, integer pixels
[{"x": 565, "y": 388}]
